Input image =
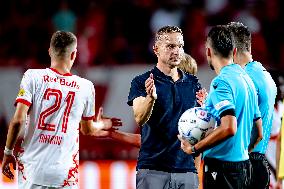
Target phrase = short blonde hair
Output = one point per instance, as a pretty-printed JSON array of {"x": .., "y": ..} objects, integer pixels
[
  {"x": 165, "y": 30},
  {"x": 188, "y": 64}
]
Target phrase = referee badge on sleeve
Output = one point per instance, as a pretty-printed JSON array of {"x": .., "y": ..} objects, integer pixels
[{"x": 221, "y": 104}]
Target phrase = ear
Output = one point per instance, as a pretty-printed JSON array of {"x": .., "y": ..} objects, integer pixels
[
  {"x": 73, "y": 55},
  {"x": 155, "y": 49},
  {"x": 208, "y": 52},
  {"x": 49, "y": 51}
]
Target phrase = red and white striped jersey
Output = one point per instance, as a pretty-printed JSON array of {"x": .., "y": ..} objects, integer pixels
[{"x": 51, "y": 136}]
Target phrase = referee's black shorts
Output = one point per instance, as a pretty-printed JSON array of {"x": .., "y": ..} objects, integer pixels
[
  {"x": 226, "y": 175},
  {"x": 260, "y": 171}
]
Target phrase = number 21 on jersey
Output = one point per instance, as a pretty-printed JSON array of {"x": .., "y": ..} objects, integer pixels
[{"x": 54, "y": 108}]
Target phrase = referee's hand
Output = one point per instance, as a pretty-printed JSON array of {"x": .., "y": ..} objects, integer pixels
[{"x": 185, "y": 145}]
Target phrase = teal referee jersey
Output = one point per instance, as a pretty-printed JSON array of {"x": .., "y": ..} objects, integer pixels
[
  {"x": 266, "y": 91},
  {"x": 233, "y": 89}
]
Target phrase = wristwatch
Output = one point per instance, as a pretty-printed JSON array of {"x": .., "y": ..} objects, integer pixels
[{"x": 193, "y": 150}]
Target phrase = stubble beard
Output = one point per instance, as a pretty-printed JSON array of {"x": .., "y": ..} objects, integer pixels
[{"x": 173, "y": 64}]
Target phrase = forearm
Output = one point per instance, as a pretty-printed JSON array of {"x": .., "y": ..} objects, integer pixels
[
  {"x": 213, "y": 139},
  {"x": 253, "y": 142},
  {"x": 13, "y": 133},
  {"x": 129, "y": 138},
  {"x": 227, "y": 129},
  {"x": 143, "y": 110},
  {"x": 256, "y": 135}
]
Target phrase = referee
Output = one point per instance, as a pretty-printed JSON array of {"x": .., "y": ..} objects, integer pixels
[
  {"x": 233, "y": 102},
  {"x": 266, "y": 91}
]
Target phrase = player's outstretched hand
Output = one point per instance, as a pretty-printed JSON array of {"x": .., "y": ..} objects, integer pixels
[
  {"x": 106, "y": 125},
  {"x": 201, "y": 96},
  {"x": 108, "y": 122},
  {"x": 185, "y": 145},
  {"x": 7, "y": 160}
]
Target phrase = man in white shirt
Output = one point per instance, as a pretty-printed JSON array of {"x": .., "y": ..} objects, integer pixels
[{"x": 53, "y": 105}]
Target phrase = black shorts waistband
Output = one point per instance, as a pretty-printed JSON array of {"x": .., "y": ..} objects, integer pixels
[
  {"x": 215, "y": 164},
  {"x": 257, "y": 156}
]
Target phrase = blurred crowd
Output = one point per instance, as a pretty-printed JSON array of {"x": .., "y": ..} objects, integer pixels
[{"x": 115, "y": 32}]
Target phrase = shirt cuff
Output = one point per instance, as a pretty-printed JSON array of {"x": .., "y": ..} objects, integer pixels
[
  {"x": 23, "y": 101},
  {"x": 87, "y": 118}
]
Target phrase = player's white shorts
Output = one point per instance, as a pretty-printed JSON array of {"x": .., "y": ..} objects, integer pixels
[{"x": 24, "y": 184}]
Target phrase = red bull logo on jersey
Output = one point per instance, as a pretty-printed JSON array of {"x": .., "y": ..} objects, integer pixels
[{"x": 62, "y": 81}]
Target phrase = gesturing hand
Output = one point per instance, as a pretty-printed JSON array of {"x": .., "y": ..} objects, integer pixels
[
  {"x": 106, "y": 124},
  {"x": 150, "y": 87},
  {"x": 201, "y": 96},
  {"x": 7, "y": 160}
]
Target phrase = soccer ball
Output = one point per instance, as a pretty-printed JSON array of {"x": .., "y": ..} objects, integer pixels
[{"x": 195, "y": 124}]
